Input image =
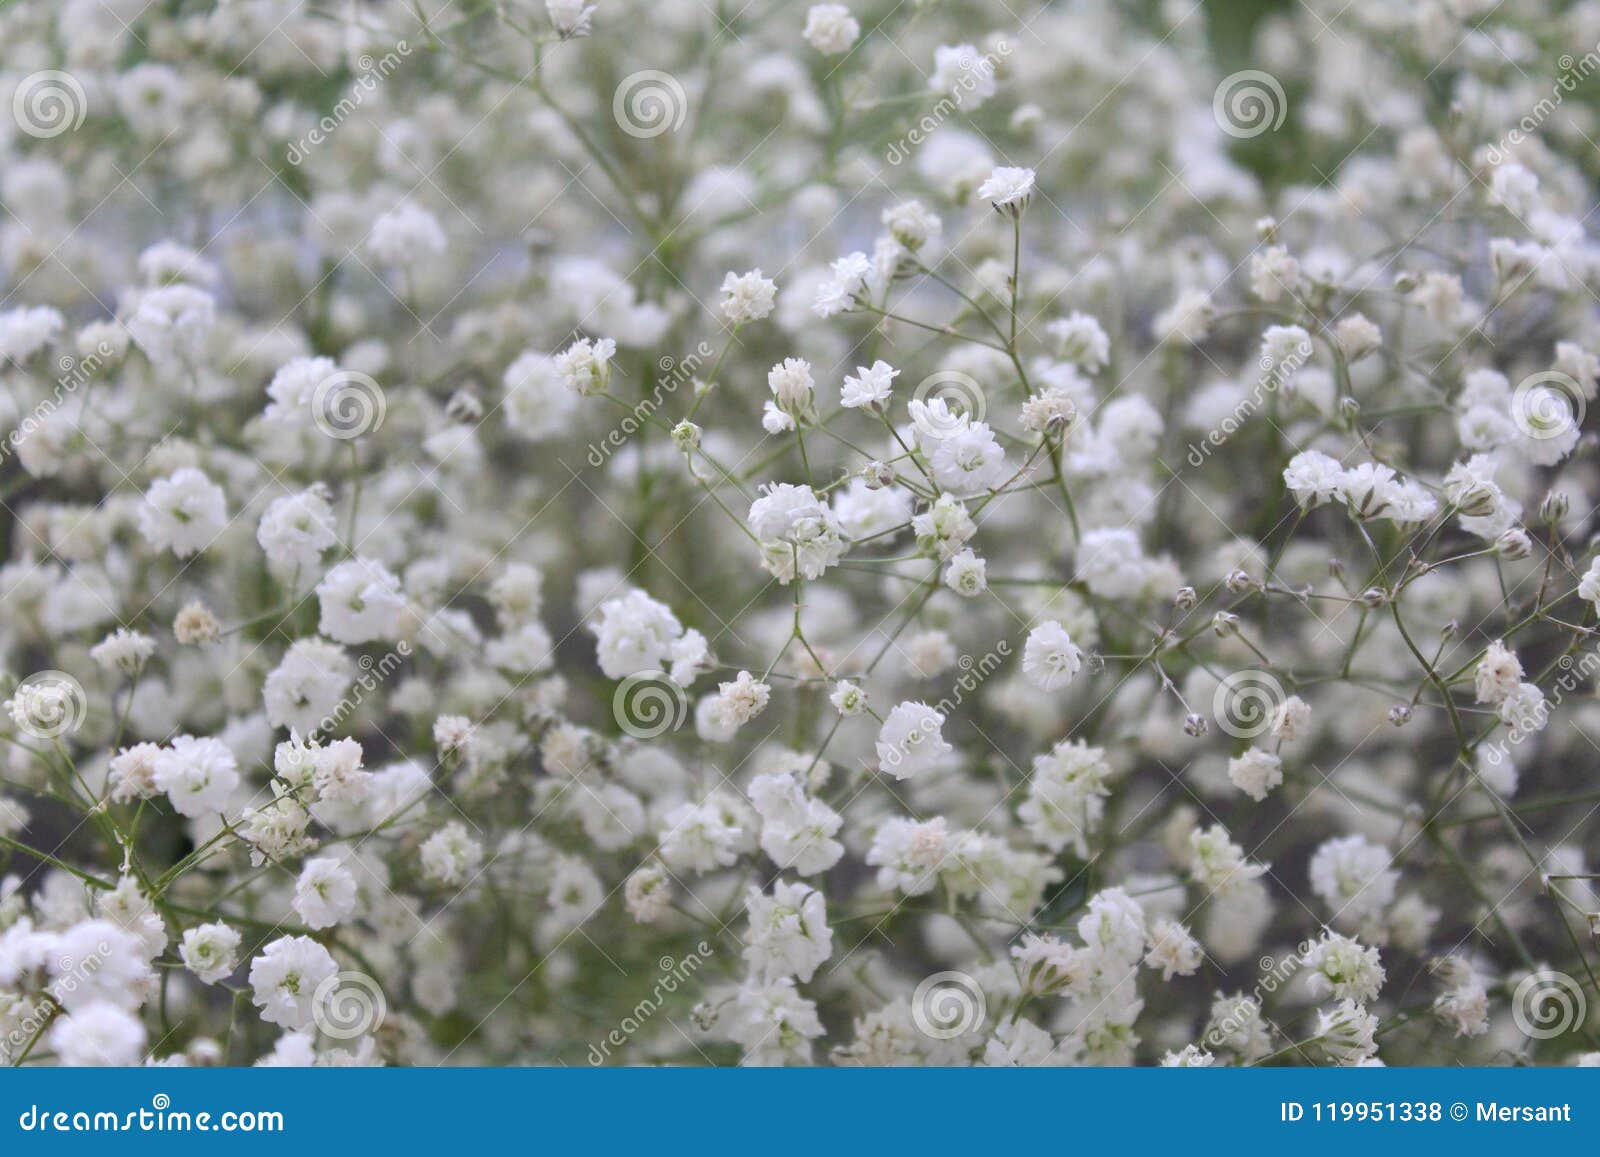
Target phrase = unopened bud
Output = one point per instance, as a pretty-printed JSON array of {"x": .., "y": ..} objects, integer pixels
[
  {"x": 877, "y": 475},
  {"x": 1514, "y": 544},
  {"x": 1554, "y": 507},
  {"x": 1374, "y": 597},
  {"x": 686, "y": 435},
  {"x": 1224, "y": 623},
  {"x": 1186, "y": 599},
  {"x": 1195, "y": 725},
  {"x": 1405, "y": 282},
  {"x": 1400, "y": 714},
  {"x": 1239, "y": 581}
]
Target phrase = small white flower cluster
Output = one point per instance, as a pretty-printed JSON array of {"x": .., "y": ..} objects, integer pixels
[{"x": 876, "y": 538}]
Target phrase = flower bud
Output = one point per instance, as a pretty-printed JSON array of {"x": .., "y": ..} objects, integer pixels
[
  {"x": 1554, "y": 507},
  {"x": 1400, "y": 714},
  {"x": 1224, "y": 623},
  {"x": 686, "y": 435},
  {"x": 1514, "y": 544},
  {"x": 1186, "y": 599},
  {"x": 1195, "y": 725},
  {"x": 877, "y": 475},
  {"x": 1374, "y": 598}
]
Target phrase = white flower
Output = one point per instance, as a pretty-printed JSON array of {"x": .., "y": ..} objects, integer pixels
[
  {"x": 324, "y": 893},
  {"x": 172, "y": 324},
  {"x": 773, "y": 1023},
  {"x": 962, "y": 72},
  {"x": 284, "y": 979},
  {"x": 747, "y": 297},
  {"x": 1066, "y": 796},
  {"x": 210, "y": 951},
  {"x": 789, "y": 934},
  {"x": 294, "y": 533},
  {"x": 1314, "y": 478},
  {"x": 1008, "y": 188},
  {"x": 966, "y": 574},
  {"x": 910, "y": 740},
  {"x": 1255, "y": 773},
  {"x": 1344, "y": 969},
  {"x": 584, "y": 367},
  {"x": 1498, "y": 674},
  {"x": 123, "y": 650},
  {"x": 98, "y": 962},
  {"x": 450, "y": 857},
  {"x": 306, "y": 686},
  {"x": 797, "y": 531},
  {"x": 570, "y": 18},
  {"x": 792, "y": 388},
  {"x": 909, "y": 854},
  {"x": 830, "y": 29},
  {"x": 868, "y": 386},
  {"x": 361, "y": 602},
  {"x": 796, "y": 830},
  {"x": 1081, "y": 340},
  {"x": 1219, "y": 863},
  {"x": 847, "y": 698},
  {"x": 183, "y": 513},
  {"x": 912, "y": 225},
  {"x": 1353, "y": 877},
  {"x": 406, "y": 236},
  {"x": 100, "y": 1034},
  {"x": 198, "y": 775},
  {"x": 1050, "y": 659}
]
